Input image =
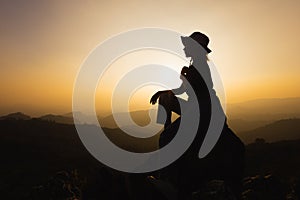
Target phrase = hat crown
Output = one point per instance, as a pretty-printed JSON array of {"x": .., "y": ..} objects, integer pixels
[{"x": 200, "y": 38}]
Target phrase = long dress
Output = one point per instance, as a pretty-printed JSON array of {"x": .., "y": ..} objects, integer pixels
[{"x": 225, "y": 161}]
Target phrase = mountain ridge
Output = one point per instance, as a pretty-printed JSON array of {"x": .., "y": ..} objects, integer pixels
[{"x": 279, "y": 130}]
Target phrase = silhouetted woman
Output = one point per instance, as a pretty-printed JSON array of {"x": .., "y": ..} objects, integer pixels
[{"x": 226, "y": 159}]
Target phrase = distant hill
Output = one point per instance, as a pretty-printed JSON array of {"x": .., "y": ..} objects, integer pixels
[
  {"x": 242, "y": 125},
  {"x": 62, "y": 119},
  {"x": 265, "y": 109},
  {"x": 139, "y": 117},
  {"x": 58, "y": 118},
  {"x": 242, "y": 117},
  {"x": 81, "y": 118},
  {"x": 249, "y": 115},
  {"x": 15, "y": 116},
  {"x": 286, "y": 129}
]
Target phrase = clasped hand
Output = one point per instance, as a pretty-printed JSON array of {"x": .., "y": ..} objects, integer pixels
[{"x": 154, "y": 98}]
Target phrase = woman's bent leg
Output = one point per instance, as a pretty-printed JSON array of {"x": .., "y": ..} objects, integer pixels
[{"x": 170, "y": 103}]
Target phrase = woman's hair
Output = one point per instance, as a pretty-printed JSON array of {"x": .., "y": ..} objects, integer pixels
[{"x": 202, "y": 56}]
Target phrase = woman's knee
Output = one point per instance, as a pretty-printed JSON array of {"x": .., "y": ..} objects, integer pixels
[{"x": 165, "y": 99}]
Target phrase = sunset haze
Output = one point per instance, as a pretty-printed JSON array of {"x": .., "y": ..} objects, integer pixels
[{"x": 255, "y": 46}]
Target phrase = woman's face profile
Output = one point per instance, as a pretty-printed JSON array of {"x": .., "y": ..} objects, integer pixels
[
  {"x": 191, "y": 47},
  {"x": 187, "y": 51},
  {"x": 194, "y": 50}
]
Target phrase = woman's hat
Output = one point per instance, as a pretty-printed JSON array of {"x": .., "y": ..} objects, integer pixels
[{"x": 200, "y": 38}]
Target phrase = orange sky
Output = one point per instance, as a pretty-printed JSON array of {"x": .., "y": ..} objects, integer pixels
[{"x": 255, "y": 45}]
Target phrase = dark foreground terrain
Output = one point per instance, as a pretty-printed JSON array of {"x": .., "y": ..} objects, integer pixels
[{"x": 46, "y": 160}]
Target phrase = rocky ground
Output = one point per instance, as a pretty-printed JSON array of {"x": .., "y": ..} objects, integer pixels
[{"x": 70, "y": 186}]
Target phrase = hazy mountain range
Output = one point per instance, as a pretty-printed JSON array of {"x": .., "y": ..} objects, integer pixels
[
  {"x": 241, "y": 117},
  {"x": 49, "y": 117},
  {"x": 271, "y": 119},
  {"x": 265, "y": 109},
  {"x": 286, "y": 129}
]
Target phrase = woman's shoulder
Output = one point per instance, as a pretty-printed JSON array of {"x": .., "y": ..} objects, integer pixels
[{"x": 191, "y": 71}]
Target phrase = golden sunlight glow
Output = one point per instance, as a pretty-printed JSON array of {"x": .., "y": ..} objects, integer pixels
[{"x": 254, "y": 47}]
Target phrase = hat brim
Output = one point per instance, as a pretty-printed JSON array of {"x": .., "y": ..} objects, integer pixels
[{"x": 185, "y": 40}]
